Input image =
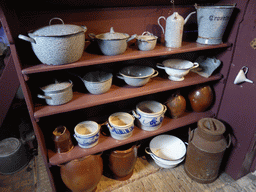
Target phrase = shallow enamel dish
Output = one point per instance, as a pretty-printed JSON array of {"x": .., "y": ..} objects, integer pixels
[
  {"x": 137, "y": 75},
  {"x": 167, "y": 149},
  {"x": 177, "y": 68}
]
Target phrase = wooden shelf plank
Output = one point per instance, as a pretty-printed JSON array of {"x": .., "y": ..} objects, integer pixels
[
  {"x": 107, "y": 142},
  {"x": 84, "y": 100},
  {"x": 131, "y": 53}
]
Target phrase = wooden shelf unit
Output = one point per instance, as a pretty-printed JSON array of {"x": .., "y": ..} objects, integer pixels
[{"x": 116, "y": 93}]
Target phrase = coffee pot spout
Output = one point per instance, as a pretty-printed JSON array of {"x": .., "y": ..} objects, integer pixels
[{"x": 189, "y": 15}]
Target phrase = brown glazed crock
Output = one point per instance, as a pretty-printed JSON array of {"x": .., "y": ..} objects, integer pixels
[
  {"x": 82, "y": 174},
  {"x": 176, "y": 105},
  {"x": 201, "y": 98},
  {"x": 62, "y": 140},
  {"x": 120, "y": 162}
]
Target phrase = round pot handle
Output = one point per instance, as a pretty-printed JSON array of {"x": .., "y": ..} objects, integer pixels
[
  {"x": 155, "y": 74},
  {"x": 119, "y": 76},
  {"x": 148, "y": 151},
  {"x": 195, "y": 65},
  {"x": 165, "y": 109},
  {"x": 43, "y": 97},
  {"x": 92, "y": 35},
  {"x": 56, "y": 18},
  {"x": 25, "y": 38},
  {"x": 135, "y": 114},
  {"x": 109, "y": 126},
  {"x": 131, "y": 38},
  {"x": 159, "y": 65}
]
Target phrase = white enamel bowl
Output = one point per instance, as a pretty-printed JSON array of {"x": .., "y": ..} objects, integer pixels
[
  {"x": 137, "y": 75},
  {"x": 167, "y": 150},
  {"x": 177, "y": 68},
  {"x": 97, "y": 82}
]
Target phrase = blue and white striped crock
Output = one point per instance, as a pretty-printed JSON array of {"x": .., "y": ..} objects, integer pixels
[
  {"x": 121, "y": 132},
  {"x": 149, "y": 115},
  {"x": 88, "y": 140}
]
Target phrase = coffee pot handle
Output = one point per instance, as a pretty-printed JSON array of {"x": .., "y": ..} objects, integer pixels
[{"x": 158, "y": 21}]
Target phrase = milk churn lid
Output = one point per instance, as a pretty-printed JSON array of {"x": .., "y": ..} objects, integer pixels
[{"x": 211, "y": 126}]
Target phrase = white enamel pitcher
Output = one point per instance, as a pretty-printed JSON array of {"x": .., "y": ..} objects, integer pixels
[{"x": 174, "y": 29}]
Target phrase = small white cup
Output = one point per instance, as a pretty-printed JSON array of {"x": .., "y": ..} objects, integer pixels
[{"x": 87, "y": 134}]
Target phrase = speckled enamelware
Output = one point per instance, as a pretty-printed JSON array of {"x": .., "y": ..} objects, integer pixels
[
  {"x": 98, "y": 82},
  {"x": 57, "y": 44},
  {"x": 146, "y": 41},
  {"x": 112, "y": 43},
  {"x": 57, "y": 93},
  {"x": 212, "y": 22},
  {"x": 137, "y": 75},
  {"x": 177, "y": 68}
]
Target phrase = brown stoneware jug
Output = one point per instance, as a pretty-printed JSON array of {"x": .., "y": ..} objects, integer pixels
[
  {"x": 206, "y": 147},
  {"x": 201, "y": 98},
  {"x": 176, "y": 105},
  {"x": 120, "y": 162},
  {"x": 82, "y": 174},
  {"x": 62, "y": 140}
]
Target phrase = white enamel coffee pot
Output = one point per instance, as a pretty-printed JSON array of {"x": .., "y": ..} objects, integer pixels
[{"x": 174, "y": 29}]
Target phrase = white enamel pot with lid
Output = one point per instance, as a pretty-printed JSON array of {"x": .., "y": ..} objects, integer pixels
[
  {"x": 57, "y": 44},
  {"x": 112, "y": 43},
  {"x": 57, "y": 93},
  {"x": 146, "y": 41}
]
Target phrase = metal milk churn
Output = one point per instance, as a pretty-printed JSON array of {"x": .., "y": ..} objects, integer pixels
[
  {"x": 173, "y": 29},
  {"x": 206, "y": 147}
]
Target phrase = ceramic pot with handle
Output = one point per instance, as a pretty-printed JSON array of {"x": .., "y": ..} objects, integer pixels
[
  {"x": 62, "y": 140},
  {"x": 149, "y": 115},
  {"x": 120, "y": 161},
  {"x": 176, "y": 105},
  {"x": 82, "y": 174},
  {"x": 201, "y": 98}
]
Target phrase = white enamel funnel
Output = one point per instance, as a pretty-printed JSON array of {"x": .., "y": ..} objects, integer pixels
[{"x": 240, "y": 78}]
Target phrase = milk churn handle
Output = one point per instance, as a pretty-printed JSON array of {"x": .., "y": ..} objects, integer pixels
[
  {"x": 229, "y": 142},
  {"x": 190, "y": 134}
]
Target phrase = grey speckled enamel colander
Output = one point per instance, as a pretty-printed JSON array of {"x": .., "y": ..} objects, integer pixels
[{"x": 57, "y": 44}]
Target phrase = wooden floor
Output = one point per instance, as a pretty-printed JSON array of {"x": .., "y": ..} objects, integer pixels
[{"x": 148, "y": 176}]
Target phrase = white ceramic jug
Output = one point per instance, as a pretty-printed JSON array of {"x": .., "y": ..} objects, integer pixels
[{"x": 173, "y": 29}]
